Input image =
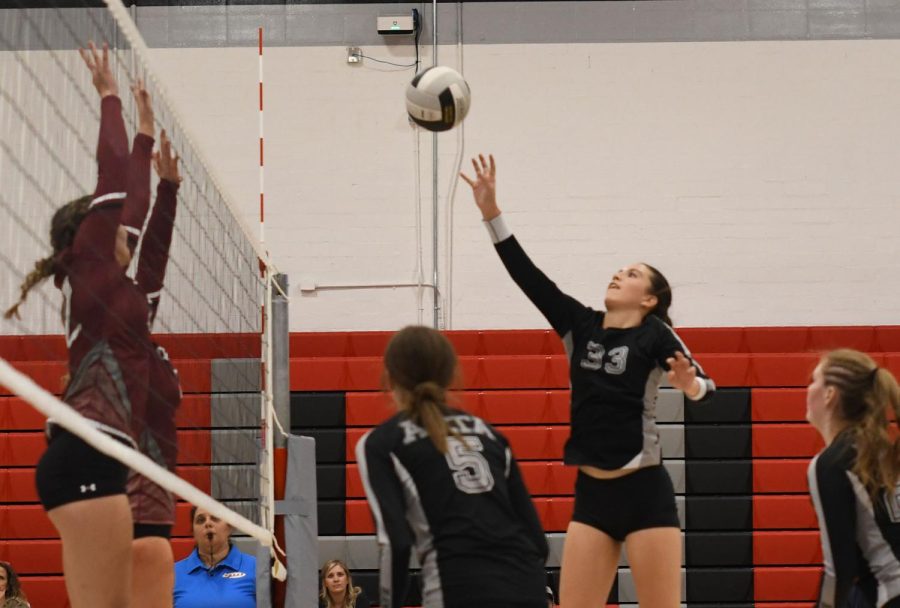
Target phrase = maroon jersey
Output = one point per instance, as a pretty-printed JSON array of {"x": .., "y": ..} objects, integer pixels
[{"x": 119, "y": 378}]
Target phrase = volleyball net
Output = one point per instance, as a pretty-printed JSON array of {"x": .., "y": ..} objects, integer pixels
[{"x": 212, "y": 317}]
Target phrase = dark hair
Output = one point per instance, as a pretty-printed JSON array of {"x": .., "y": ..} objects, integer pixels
[
  {"x": 13, "y": 587},
  {"x": 866, "y": 392},
  {"x": 352, "y": 592},
  {"x": 660, "y": 288},
  {"x": 194, "y": 510},
  {"x": 63, "y": 228},
  {"x": 420, "y": 364}
]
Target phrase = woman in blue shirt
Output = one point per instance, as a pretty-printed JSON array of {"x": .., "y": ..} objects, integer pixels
[{"x": 216, "y": 573}]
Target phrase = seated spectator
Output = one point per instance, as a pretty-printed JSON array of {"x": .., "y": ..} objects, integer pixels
[
  {"x": 337, "y": 588},
  {"x": 216, "y": 573},
  {"x": 11, "y": 594}
]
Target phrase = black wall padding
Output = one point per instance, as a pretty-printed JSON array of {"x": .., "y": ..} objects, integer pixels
[
  {"x": 718, "y": 549},
  {"x": 318, "y": 410},
  {"x": 715, "y": 441},
  {"x": 368, "y": 580},
  {"x": 331, "y": 481},
  {"x": 331, "y": 444},
  {"x": 720, "y": 477},
  {"x": 719, "y": 513},
  {"x": 719, "y": 585},
  {"x": 728, "y": 405},
  {"x": 332, "y": 517}
]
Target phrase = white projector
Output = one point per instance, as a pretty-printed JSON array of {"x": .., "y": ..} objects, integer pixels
[{"x": 396, "y": 25}]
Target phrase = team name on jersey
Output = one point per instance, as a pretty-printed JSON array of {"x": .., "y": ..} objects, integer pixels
[{"x": 461, "y": 423}]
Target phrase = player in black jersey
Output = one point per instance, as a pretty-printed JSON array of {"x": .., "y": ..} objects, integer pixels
[
  {"x": 853, "y": 481},
  {"x": 446, "y": 482},
  {"x": 617, "y": 360}
]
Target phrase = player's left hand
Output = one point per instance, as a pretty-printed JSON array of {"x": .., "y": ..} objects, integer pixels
[
  {"x": 144, "y": 107},
  {"x": 165, "y": 162},
  {"x": 101, "y": 72},
  {"x": 682, "y": 375}
]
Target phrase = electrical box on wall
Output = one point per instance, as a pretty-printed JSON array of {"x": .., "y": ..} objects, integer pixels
[{"x": 397, "y": 25}]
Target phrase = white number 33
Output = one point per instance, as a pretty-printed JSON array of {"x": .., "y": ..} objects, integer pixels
[{"x": 618, "y": 358}]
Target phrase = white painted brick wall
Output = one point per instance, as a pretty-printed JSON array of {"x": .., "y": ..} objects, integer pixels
[{"x": 761, "y": 177}]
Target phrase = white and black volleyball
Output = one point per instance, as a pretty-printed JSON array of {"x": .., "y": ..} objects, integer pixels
[{"x": 438, "y": 98}]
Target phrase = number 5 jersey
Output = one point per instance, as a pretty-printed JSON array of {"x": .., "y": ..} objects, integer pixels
[
  {"x": 860, "y": 533},
  {"x": 467, "y": 513}
]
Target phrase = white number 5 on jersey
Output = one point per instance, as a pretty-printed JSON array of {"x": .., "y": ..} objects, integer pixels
[{"x": 471, "y": 471}]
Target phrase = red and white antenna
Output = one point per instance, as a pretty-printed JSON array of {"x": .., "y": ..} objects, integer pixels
[{"x": 262, "y": 200}]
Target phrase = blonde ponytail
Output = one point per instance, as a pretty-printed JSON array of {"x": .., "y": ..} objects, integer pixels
[
  {"x": 866, "y": 392},
  {"x": 63, "y": 228},
  {"x": 42, "y": 269}
]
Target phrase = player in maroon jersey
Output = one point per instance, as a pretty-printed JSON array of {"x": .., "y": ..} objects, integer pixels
[{"x": 119, "y": 380}]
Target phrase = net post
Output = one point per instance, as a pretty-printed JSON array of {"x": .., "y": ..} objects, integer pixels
[{"x": 281, "y": 357}]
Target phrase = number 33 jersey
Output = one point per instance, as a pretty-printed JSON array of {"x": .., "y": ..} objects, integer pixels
[
  {"x": 467, "y": 513},
  {"x": 615, "y": 373}
]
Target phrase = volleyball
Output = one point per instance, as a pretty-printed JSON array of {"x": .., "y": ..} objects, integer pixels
[{"x": 438, "y": 98}]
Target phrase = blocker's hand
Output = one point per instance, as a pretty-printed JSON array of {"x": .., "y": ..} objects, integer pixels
[
  {"x": 484, "y": 186},
  {"x": 166, "y": 163},
  {"x": 101, "y": 73},
  {"x": 682, "y": 375},
  {"x": 144, "y": 107}
]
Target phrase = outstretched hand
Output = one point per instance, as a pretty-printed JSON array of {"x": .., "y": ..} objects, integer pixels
[
  {"x": 682, "y": 375},
  {"x": 144, "y": 107},
  {"x": 101, "y": 74},
  {"x": 165, "y": 162},
  {"x": 484, "y": 186}
]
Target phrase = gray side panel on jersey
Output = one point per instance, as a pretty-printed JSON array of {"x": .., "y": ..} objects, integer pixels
[
  {"x": 676, "y": 470},
  {"x": 827, "y": 592},
  {"x": 670, "y": 406},
  {"x": 568, "y": 345},
  {"x": 386, "y": 591},
  {"x": 877, "y": 550},
  {"x": 650, "y": 453},
  {"x": 432, "y": 594},
  {"x": 627, "y": 592}
]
